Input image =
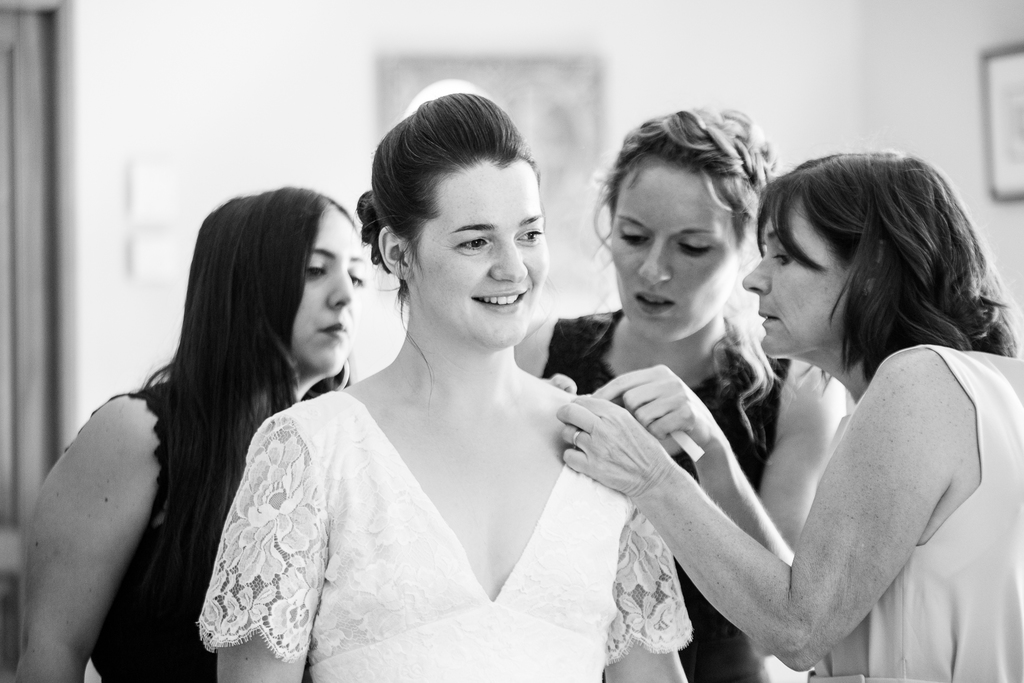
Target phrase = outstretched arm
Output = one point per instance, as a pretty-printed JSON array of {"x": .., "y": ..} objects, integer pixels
[
  {"x": 664, "y": 405},
  {"x": 92, "y": 510},
  {"x": 912, "y": 437}
]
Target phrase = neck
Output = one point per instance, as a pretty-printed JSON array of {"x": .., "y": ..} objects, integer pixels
[
  {"x": 450, "y": 379},
  {"x": 854, "y": 381},
  {"x": 690, "y": 358},
  {"x": 303, "y": 388}
]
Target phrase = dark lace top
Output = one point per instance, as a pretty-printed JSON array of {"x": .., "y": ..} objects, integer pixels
[
  {"x": 136, "y": 644},
  {"x": 578, "y": 350}
]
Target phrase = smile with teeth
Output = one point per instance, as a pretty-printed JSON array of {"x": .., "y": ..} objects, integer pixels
[{"x": 501, "y": 300}]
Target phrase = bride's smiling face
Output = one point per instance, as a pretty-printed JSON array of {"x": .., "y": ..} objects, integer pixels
[{"x": 480, "y": 264}]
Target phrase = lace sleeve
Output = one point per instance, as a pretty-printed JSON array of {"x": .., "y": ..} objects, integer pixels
[
  {"x": 270, "y": 564},
  {"x": 651, "y": 609}
]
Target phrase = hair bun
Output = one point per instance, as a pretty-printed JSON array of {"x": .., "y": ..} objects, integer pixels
[{"x": 366, "y": 209}]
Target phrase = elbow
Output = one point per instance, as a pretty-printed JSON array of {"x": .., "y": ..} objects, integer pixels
[
  {"x": 797, "y": 646},
  {"x": 801, "y": 657}
]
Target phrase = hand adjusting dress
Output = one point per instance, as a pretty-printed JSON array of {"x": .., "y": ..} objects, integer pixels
[
  {"x": 332, "y": 551},
  {"x": 719, "y": 652}
]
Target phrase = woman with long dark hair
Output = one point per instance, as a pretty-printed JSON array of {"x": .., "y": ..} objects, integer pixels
[
  {"x": 911, "y": 563},
  {"x": 123, "y": 540}
]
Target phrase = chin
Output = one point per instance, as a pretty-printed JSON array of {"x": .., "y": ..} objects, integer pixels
[
  {"x": 775, "y": 350},
  {"x": 500, "y": 341}
]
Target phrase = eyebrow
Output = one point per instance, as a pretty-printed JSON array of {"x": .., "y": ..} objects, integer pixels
[
  {"x": 641, "y": 224},
  {"x": 490, "y": 227},
  {"x": 357, "y": 256}
]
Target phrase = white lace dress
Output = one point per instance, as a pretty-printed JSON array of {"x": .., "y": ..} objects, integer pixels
[{"x": 332, "y": 551}]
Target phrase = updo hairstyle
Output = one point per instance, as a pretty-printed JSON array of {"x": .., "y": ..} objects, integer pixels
[
  {"x": 442, "y": 137},
  {"x": 727, "y": 148},
  {"x": 730, "y": 152}
]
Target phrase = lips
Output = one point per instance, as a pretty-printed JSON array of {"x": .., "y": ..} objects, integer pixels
[
  {"x": 501, "y": 299},
  {"x": 336, "y": 328},
  {"x": 652, "y": 303}
]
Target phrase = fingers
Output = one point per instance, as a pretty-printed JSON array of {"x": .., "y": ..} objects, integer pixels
[
  {"x": 578, "y": 461},
  {"x": 563, "y": 382},
  {"x": 623, "y": 383},
  {"x": 574, "y": 435},
  {"x": 577, "y": 414},
  {"x": 673, "y": 421}
]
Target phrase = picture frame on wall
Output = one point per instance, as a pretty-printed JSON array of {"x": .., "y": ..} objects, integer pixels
[{"x": 1003, "y": 104}]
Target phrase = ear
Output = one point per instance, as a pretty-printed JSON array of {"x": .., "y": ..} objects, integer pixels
[{"x": 393, "y": 250}]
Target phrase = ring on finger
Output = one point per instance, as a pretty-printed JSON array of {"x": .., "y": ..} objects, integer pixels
[{"x": 575, "y": 436}]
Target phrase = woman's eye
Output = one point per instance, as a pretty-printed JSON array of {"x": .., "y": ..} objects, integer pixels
[
  {"x": 478, "y": 243},
  {"x": 357, "y": 281},
  {"x": 782, "y": 258},
  {"x": 315, "y": 271},
  {"x": 694, "y": 250},
  {"x": 533, "y": 235},
  {"x": 632, "y": 239}
]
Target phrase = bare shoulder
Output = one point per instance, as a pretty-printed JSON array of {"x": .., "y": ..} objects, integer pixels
[
  {"x": 532, "y": 352},
  {"x": 915, "y": 396},
  {"x": 118, "y": 435},
  {"x": 918, "y": 373}
]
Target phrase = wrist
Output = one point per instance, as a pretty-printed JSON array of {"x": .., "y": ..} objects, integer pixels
[{"x": 660, "y": 484}]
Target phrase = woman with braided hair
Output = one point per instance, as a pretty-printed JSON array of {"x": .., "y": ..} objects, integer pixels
[{"x": 682, "y": 196}]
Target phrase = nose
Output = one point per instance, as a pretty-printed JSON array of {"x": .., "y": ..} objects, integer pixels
[
  {"x": 508, "y": 265},
  {"x": 655, "y": 267},
  {"x": 342, "y": 292},
  {"x": 757, "y": 281}
]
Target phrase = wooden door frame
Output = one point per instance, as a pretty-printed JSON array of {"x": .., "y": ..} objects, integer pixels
[
  {"x": 63, "y": 242},
  {"x": 57, "y": 243},
  {"x": 64, "y": 228}
]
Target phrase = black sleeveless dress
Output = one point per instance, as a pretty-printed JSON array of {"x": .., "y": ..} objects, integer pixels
[
  {"x": 720, "y": 652},
  {"x": 136, "y": 644}
]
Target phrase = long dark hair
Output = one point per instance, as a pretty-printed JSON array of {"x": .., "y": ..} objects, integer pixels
[
  {"x": 233, "y": 368},
  {"x": 730, "y": 152},
  {"x": 442, "y": 137},
  {"x": 918, "y": 271}
]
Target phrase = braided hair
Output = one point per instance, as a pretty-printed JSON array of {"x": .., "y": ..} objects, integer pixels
[{"x": 730, "y": 152}]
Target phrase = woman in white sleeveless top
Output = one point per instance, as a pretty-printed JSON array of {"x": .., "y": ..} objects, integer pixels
[{"x": 911, "y": 563}]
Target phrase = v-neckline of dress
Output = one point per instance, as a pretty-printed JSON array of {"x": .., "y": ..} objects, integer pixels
[{"x": 414, "y": 485}]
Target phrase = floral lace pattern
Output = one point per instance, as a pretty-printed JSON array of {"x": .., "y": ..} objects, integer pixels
[{"x": 332, "y": 550}]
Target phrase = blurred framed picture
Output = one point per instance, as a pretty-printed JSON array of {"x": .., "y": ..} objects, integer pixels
[{"x": 1003, "y": 94}]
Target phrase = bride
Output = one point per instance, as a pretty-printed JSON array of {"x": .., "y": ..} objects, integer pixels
[{"x": 421, "y": 526}]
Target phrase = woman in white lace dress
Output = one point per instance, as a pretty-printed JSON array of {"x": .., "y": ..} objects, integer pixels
[{"x": 421, "y": 526}]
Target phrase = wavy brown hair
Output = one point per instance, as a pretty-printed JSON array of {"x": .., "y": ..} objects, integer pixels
[{"x": 918, "y": 270}]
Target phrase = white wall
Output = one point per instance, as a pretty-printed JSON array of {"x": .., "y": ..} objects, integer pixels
[
  {"x": 924, "y": 94},
  {"x": 241, "y": 96}
]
